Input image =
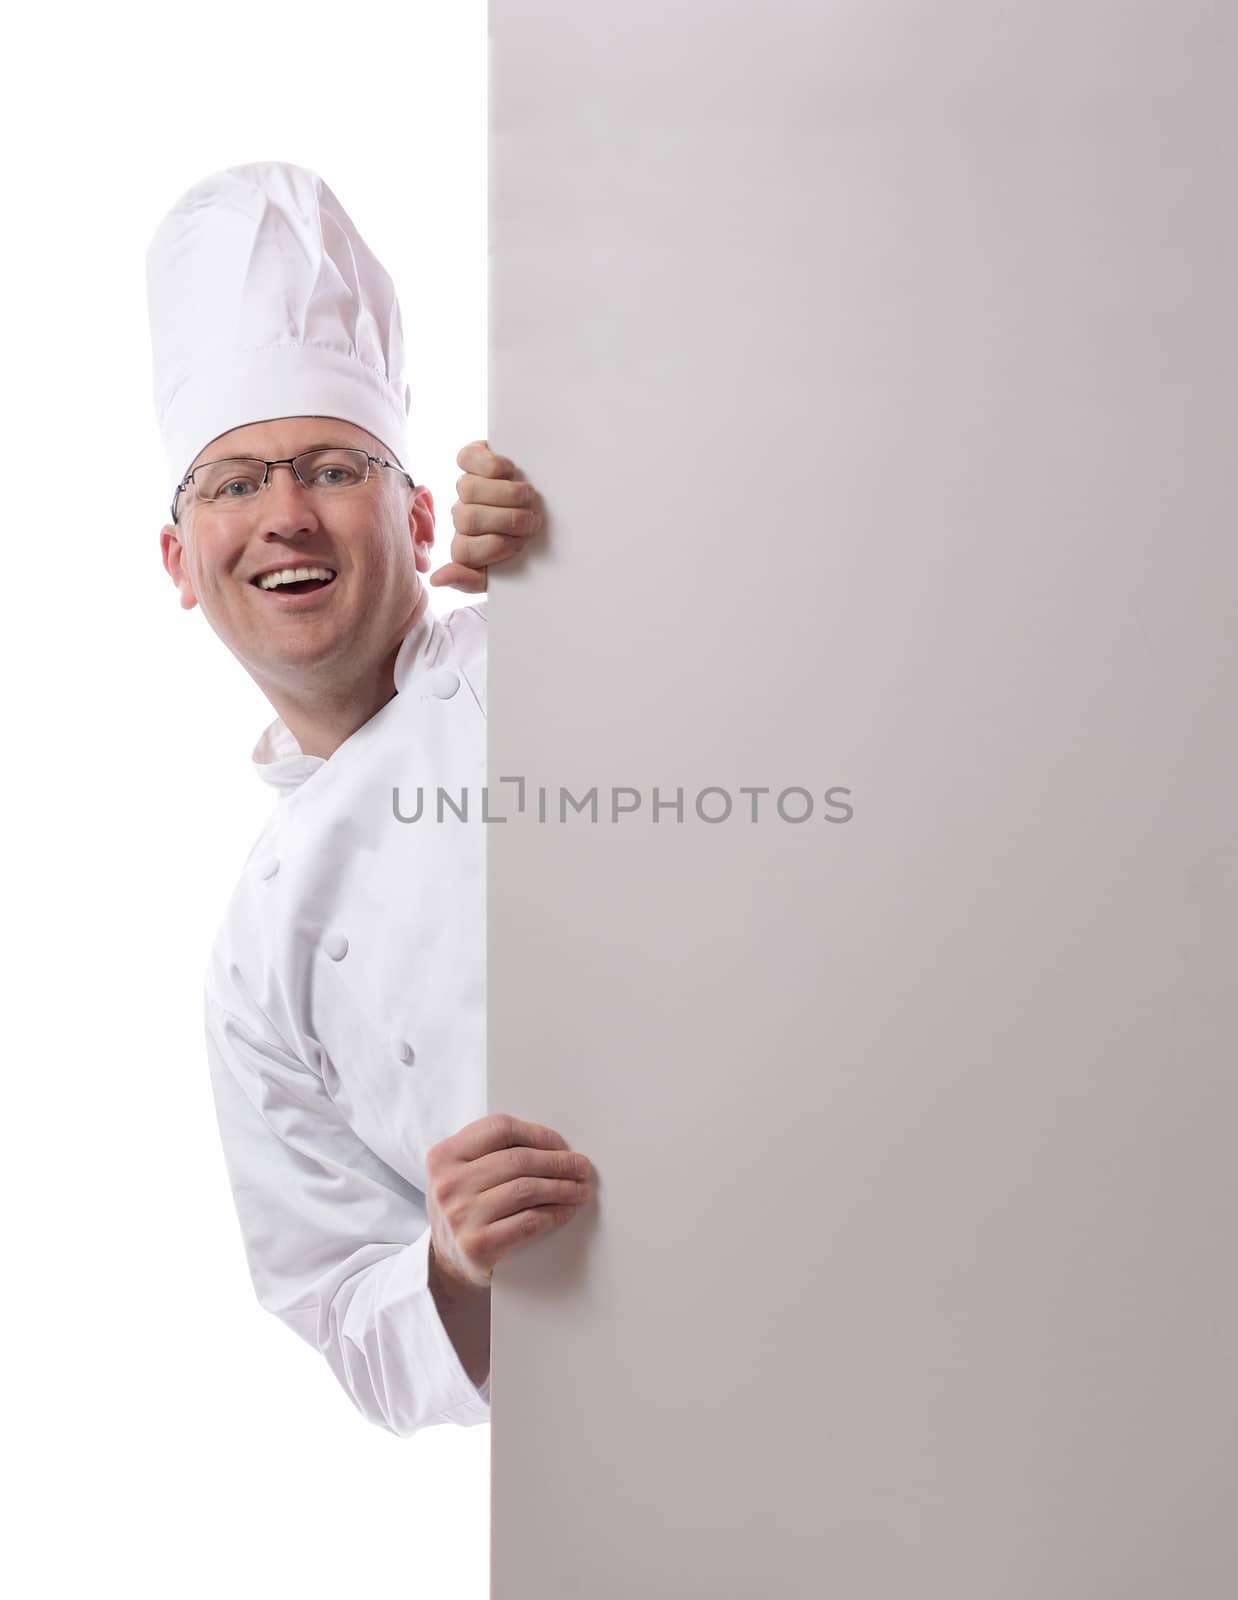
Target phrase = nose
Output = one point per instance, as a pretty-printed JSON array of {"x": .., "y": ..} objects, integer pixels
[{"x": 286, "y": 505}]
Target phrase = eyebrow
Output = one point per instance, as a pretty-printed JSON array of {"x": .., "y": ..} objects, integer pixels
[{"x": 329, "y": 444}]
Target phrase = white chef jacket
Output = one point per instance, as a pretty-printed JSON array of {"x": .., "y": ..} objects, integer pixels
[{"x": 345, "y": 1025}]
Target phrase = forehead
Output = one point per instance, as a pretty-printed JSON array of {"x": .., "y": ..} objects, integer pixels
[{"x": 279, "y": 437}]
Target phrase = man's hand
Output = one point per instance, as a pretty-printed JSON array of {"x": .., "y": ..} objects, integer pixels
[
  {"x": 493, "y": 1186},
  {"x": 496, "y": 512}
]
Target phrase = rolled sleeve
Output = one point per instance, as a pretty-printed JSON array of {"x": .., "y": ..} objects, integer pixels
[{"x": 336, "y": 1241}]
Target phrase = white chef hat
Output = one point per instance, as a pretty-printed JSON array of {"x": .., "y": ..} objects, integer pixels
[{"x": 266, "y": 302}]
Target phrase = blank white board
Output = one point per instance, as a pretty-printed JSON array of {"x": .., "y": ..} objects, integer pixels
[{"x": 877, "y": 365}]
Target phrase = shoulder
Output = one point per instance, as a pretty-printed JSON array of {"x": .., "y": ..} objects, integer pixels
[
  {"x": 466, "y": 627},
  {"x": 466, "y": 631}
]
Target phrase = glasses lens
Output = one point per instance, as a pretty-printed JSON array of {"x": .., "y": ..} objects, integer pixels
[
  {"x": 234, "y": 479},
  {"x": 332, "y": 469}
]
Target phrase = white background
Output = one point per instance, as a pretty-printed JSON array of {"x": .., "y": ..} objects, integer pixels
[{"x": 171, "y": 1436}]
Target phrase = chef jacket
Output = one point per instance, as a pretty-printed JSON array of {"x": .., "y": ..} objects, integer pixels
[{"x": 345, "y": 1025}]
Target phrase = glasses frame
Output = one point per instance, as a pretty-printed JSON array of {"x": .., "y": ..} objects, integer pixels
[{"x": 289, "y": 462}]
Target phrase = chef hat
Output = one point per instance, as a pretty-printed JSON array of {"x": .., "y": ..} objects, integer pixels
[{"x": 266, "y": 302}]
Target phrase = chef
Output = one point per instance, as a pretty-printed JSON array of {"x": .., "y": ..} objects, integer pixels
[{"x": 345, "y": 991}]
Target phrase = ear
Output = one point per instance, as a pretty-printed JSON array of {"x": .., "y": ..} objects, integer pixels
[
  {"x": 421, "y": 526},
  {"x": 174, "y": 564}
]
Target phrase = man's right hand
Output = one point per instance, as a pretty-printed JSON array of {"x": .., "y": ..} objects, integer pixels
[
  {"x": 493, "y": 1186},
  {"x": 496, "y": 511}
]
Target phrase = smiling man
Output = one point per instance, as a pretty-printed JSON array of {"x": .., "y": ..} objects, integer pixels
[
  {"x": 316, "y": 602},
  {"x": 345, "y": 993}
]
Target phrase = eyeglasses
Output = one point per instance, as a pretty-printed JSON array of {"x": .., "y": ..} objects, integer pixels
[{"x": 236, "y": 479}]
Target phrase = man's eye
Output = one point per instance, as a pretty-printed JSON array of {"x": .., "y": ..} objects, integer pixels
[{"x": 242, "y": 484}]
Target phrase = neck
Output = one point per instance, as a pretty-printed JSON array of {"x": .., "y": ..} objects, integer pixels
[{"x": 320, "y": 719}]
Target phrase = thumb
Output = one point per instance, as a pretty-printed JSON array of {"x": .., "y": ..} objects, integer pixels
[{"x": 454, "y": 576}]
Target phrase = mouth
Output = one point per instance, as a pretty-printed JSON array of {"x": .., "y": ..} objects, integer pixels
[{"x": 285, "y": 583}]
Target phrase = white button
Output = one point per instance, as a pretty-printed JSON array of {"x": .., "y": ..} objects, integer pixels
[
  {"x": 268, "y": 867},
  {"x": 404, "y": 1050},
  {"x": 443, "y": 682},
  {"x": 336, "y": 946}
]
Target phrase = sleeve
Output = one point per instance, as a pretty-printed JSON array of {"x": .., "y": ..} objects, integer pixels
[{"x": 337, "y": 1242}]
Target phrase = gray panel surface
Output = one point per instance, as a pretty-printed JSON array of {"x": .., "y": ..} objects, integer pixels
[{"x": 877, "y": 364}]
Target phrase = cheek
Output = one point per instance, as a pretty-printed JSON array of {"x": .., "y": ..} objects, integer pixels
[
  {"x": 212, "y": 571},
  {"x": 207, "y": 577},
  {"x": 392, "y": 555}
]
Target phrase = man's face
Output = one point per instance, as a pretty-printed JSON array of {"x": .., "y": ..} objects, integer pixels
[{"x": 376, "y": 538}]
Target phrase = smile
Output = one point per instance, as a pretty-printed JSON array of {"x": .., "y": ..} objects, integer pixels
[{"x": 295, "y": 580}]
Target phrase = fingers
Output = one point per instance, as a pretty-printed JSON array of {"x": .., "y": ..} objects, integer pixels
[
  {"x": 497, "y": 1184},
  {"x": 524, "y": 1164},
  {"x": 495, "y": 491},
  {"x": 472, "y": 553},
  {"x": 513, "y": 520},
  {"x": 495, "y": 512},
  {"x": 479, "y": 550},
  {"x": 478, "y": 457},
  {"x": 501, "y": 1148},
  {"x": 513, "y": 1233},
  {"x": 498, "y": 1131},
  {"x": 500, "y": 1200}
]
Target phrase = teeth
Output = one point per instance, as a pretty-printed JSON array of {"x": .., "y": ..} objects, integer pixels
[{"x": 271, "y": 580}]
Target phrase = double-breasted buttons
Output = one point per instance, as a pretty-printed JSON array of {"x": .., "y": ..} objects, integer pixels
[
  {"x": 442, "y": 682},
  {"x": 335, "y": 945},
  {"x": 403, "y": 1050}
]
